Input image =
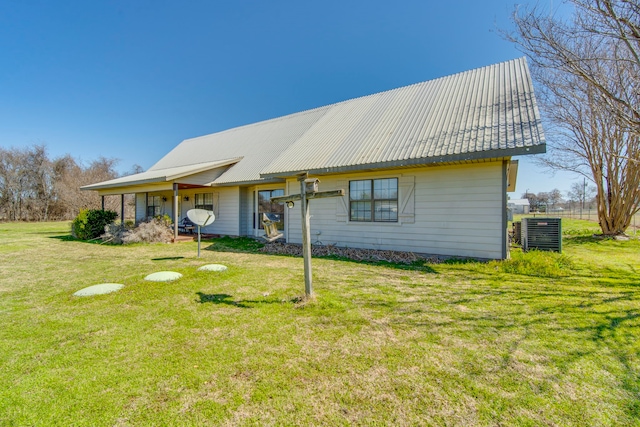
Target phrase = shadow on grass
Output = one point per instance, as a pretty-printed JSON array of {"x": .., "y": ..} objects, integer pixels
[
  {"x": 168, "y": 258},
  {"x": 65, "y": 238},
  {"x": 226, "y": 299},
  {"x": 44, "y": 232},
  {"x": 70, "y": 238}
]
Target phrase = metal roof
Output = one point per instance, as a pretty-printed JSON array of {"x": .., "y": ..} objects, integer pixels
[
  {"x": 160, "y": 175},
  {"x": 485, "y": 113},
  {"x": 258, "y": 144}
]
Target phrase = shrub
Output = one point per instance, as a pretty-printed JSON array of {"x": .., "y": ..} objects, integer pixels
[
  {"x": 90, "y": 223},
  {"x": 164, "y": 219}
]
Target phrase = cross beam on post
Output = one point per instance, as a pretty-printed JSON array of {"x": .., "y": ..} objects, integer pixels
[{"x": 308, "y": 191}]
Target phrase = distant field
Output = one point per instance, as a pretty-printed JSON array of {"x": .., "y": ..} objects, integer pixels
[
  {"x": 592, "y": 215},
  {"x": 541, "y": 339}
]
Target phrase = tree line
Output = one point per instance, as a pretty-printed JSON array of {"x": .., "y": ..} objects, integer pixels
[
  {"x": 578, "y": 194},
  {"x": 35, "y": 187}
]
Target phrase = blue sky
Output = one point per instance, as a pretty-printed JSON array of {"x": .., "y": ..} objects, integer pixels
[{"x": 131, "y": 79}]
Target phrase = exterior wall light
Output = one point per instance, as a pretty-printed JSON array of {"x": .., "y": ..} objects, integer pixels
[{"x": 290, "y": 204}]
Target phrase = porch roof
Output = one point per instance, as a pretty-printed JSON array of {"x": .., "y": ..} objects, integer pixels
[{"x": 160, "y": 175}]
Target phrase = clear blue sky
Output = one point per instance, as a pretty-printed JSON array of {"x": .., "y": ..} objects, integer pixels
[{"x": 131, "y": 79}]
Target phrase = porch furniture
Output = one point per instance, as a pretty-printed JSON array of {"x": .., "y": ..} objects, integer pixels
[
  {"x": 270, "y": 221},
  {"x": 186, "y": 226}
]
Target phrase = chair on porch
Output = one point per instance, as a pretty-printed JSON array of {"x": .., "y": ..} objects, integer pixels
[
  {"x": 270, "y": 221},
  {"x": 186, "y": 226}
]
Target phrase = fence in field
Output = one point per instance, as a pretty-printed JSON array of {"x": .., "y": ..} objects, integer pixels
[{"x": 591, "y": 215}]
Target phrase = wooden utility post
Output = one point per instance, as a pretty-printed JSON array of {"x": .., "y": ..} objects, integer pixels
[{"x": 308, "y": 191}]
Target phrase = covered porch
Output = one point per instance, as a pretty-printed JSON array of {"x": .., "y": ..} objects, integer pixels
[{"x": 171, "y": 191}]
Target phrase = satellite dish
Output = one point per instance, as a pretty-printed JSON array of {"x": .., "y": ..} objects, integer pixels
[{"x": 201, "y": 217}]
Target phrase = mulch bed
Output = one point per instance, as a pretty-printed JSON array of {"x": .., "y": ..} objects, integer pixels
[{"x": 351, "y": 253}]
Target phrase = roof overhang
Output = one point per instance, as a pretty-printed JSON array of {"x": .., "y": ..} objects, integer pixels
[
  {"x": 159, "y": 176},
  {"x": 430, "y": 161}
]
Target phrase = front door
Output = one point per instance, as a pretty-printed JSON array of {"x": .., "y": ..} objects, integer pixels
[{"x": 266, "y": 206}]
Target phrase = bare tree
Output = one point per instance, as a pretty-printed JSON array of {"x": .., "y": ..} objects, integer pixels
[
  {"x": 35, "y": 188},
  {"x": 589, "y": 69},
  {"x": 26, "y": 186},
  {"x": 555, "y": 197},
  {"x": 70, "y": 176},
  {"x": 581, "y": 193}
]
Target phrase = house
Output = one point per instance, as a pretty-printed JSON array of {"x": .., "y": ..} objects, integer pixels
[
  {"x": 518, "y": 206},
  {"x": 425, "y": 168}
]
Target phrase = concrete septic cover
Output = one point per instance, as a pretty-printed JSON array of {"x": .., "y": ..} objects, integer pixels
[
  {"x": 213, "y": 267},
  {"x": 163, "y": 276},
  {"x": 103, "y": 288}
]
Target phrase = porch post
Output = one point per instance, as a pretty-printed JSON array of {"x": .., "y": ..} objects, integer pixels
[
  {"x": 175, "y": 210},
  {"x": 505, "y": 220},
  {"x": 122, "y": 208}
]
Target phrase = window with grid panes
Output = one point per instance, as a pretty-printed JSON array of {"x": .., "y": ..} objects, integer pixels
[
  {"x": 374, "y": 200},
  {"x": 153, "y": 205},
  {"x": 204, "y": 201}
]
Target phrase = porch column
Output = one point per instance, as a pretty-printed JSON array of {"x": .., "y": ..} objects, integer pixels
[
  {"x": 175, "y": 210},
  {"x": 122, "y": 208}
]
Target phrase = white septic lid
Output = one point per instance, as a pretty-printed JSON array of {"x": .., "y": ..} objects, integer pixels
[
  {"x": 201, "y": 217},
  {"x": 101, "y": 289}
]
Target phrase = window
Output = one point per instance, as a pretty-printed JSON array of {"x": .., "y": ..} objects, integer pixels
[
  {"x": 266, "y": 206},
  {"x": 204, "y": 201},
  {"x": 153, "y": 205},
  {"x": 374, "y": 200}
]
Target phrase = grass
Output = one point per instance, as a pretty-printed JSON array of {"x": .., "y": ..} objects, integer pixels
[{"x": 541, "y": 339}]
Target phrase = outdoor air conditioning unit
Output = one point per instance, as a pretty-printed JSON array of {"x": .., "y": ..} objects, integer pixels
[{"x": 544, "y": 234}]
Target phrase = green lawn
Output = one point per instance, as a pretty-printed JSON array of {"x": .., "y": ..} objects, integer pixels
[{"x": 541, "y": 340}]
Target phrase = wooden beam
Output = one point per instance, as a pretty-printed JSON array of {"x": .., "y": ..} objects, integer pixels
[
  {"x": 306, "y": 236},
  {"x": 308, "y": 196},
  {"x": 304, "y": 198}
]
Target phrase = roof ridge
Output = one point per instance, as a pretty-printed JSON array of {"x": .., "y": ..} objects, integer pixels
[{"x": 329, "y": 106}]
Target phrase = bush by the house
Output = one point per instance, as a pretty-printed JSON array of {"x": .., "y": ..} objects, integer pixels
[
  {"x": 90, "y": 223},
  {"x": 154, "y": 230}
]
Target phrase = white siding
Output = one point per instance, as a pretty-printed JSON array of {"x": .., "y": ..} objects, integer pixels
[
  {"x": 458, "y": 212},
  {"x": 204, "y": 178},
  {"x": 227, "y": 212},
  {"x": 226, "y": 205},
  {"x": 141, "y": 206}
]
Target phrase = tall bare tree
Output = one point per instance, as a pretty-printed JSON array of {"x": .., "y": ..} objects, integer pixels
[
  {"x": 26, "y": 187},
  {"x": 589, "y": 69}
]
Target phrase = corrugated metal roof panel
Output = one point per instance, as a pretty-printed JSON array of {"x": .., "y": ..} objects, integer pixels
[
  {"x": 161, "y": 174},
  {"x": 258, "y": 144},
  {"x": 474, "y": 112}
]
